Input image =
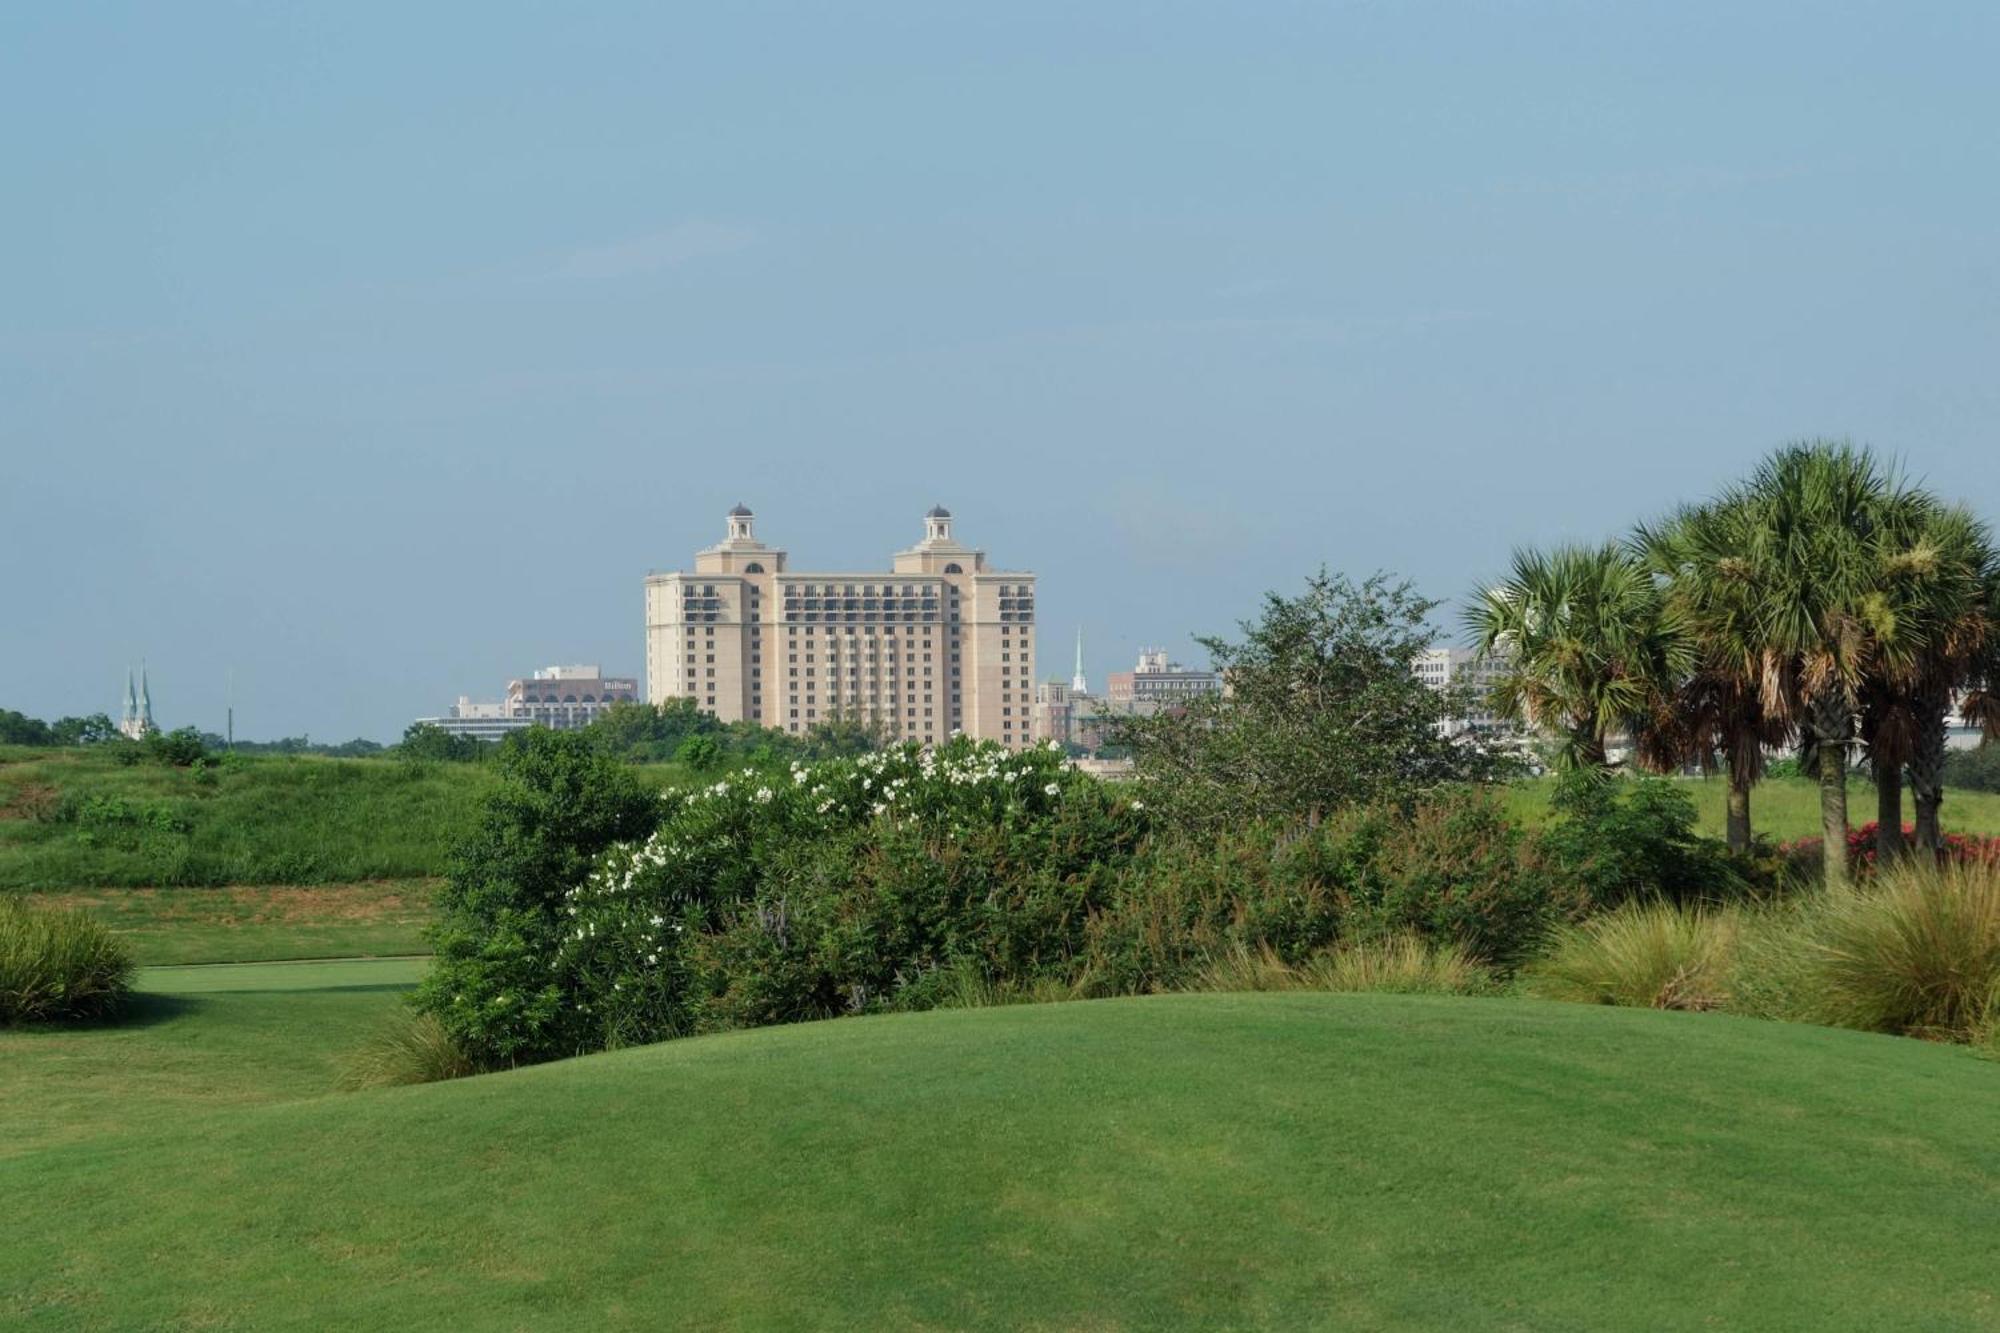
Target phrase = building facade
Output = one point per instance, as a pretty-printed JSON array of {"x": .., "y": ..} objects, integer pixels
[
  {"x": 1443, "y": 667},
  {"x": 938, "y": 643},
  {"x": 564, "y": 697}
]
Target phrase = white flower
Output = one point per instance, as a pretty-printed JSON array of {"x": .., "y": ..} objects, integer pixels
[
  {"x": 1138, "y": 805},
  {"x": 1051, "y": 789}
]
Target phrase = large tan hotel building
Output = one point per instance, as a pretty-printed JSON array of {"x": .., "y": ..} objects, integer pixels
[{"x": 938, "y": 643}]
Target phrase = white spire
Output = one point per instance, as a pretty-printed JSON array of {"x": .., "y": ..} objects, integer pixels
[{"x": 1077, "y": 683}]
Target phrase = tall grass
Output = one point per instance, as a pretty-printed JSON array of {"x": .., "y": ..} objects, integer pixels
[
  {"x": 1399, "y": 965},
  {"x": 1647, "y": 955},
  {"x": 1917, "y": 952},
  {"x": 59, "y": 965},
  {"x": 261, "y": 820}
]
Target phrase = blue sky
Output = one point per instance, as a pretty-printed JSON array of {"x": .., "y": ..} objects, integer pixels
[{"x": 375, "y": 353}]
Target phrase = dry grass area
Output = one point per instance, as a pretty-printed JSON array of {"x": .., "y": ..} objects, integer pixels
[{"x": 254, "y": 922}]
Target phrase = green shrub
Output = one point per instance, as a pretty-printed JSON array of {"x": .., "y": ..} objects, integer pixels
[
  {"x": 58, "y": 965},
  {"x": 181, "y": 748},
  {"x": 1613, "y": 841},
  {"x": 1649, "y": 955},
  {"x": 1454, "y": 869},
  {"x": 756, "y": 899},
  {"x": 560, "y": 803},
  {"x": 410, "y": 1048},
  {"x": 1917, "y": 952},
  {"x": 1973, "y": 770},
  {"x": 1188, "y": 900}
]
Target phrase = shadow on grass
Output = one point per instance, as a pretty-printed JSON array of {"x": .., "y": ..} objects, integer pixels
[
  {"x": 372, "y": 988},
  {"x": 143, "y": 1009},
  {"x": 146, "y": 1009}
]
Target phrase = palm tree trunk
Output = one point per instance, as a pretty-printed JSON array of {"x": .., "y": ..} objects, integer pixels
[
  {"x": 1927, "y": 778},
  {"x": 1889, "y": 845},
  {"x": 1830, "y": 727},
  {"x": 1739, "y": 809}
]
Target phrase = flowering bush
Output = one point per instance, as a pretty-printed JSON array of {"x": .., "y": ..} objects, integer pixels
[
  {"x": 835, "y": 887},
  {"x": 1958, "y": 849}
]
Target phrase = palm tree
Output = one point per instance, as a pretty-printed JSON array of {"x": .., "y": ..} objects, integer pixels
[
  {"x": 1582, "y": 646},
  {"x": 1798, "y": 568},
  {"x": 1939, "y": 591},
  {"x": 1719, "y": 710}
]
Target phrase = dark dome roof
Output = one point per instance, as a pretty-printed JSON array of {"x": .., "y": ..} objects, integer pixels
[
  {"x": 938, "y": 511},
  {"x": 741, "y": 511}
]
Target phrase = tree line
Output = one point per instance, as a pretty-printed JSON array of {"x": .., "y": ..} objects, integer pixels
[{"x": 1824, "y": 602}]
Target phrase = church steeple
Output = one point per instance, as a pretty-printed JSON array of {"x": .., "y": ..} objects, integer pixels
[
  {"x": 1077, "y": 683},
  {"x": 137, "y": 722}
]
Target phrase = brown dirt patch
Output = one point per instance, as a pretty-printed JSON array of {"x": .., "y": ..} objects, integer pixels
[
  {"x": 262, "y": 904},
  {"x": 32, "y": 800}
]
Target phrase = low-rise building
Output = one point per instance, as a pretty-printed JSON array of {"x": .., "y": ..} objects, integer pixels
[
  {"x": 1157, "y": 683},
  {"x": 561, "y": 698},
  {"x": 481, "y": 721},
  {"x": 565, "y": 697}
]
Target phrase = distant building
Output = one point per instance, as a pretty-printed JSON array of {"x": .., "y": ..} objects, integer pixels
[
  {"x": 485, "y": 722},
  {"x": 1072, "y": 714},
  {"x": 939, "y": 642},
  {"x": 1444, "y": 667},
  {"x": 1157, "y": 683},
  {"x": 565, "y": 697},
  {"x": 561, "y": 698},
  {"x": 137, "y": 721}
]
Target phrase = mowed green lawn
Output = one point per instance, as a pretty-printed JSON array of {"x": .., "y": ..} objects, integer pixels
[
  {"x": 200, "y": 1041},
  {"x": 1199, "y": 1161},
  {"x": 1785, "y": 809}
]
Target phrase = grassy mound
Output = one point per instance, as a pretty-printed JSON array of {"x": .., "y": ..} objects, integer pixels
[{"x": 1271, "y": 1160}]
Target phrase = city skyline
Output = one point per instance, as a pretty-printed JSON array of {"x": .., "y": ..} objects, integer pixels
[{"x": 374, "y": 369}]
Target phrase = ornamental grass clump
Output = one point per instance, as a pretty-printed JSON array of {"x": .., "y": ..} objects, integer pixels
[
  {"x": 1397, "y": 965},
  {"x": 1646, "y": 955},
  {"x": 1916, "y": 953},
  {"x": 410, "y": 1048},
  {"x": 59, "y": 965}
]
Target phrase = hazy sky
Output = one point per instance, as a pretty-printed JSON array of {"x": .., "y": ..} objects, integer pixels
[{"x": 377, "y": 352}]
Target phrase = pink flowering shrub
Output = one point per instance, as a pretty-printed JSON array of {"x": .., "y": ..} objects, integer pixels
[{"x": 1803, "y": 855}]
